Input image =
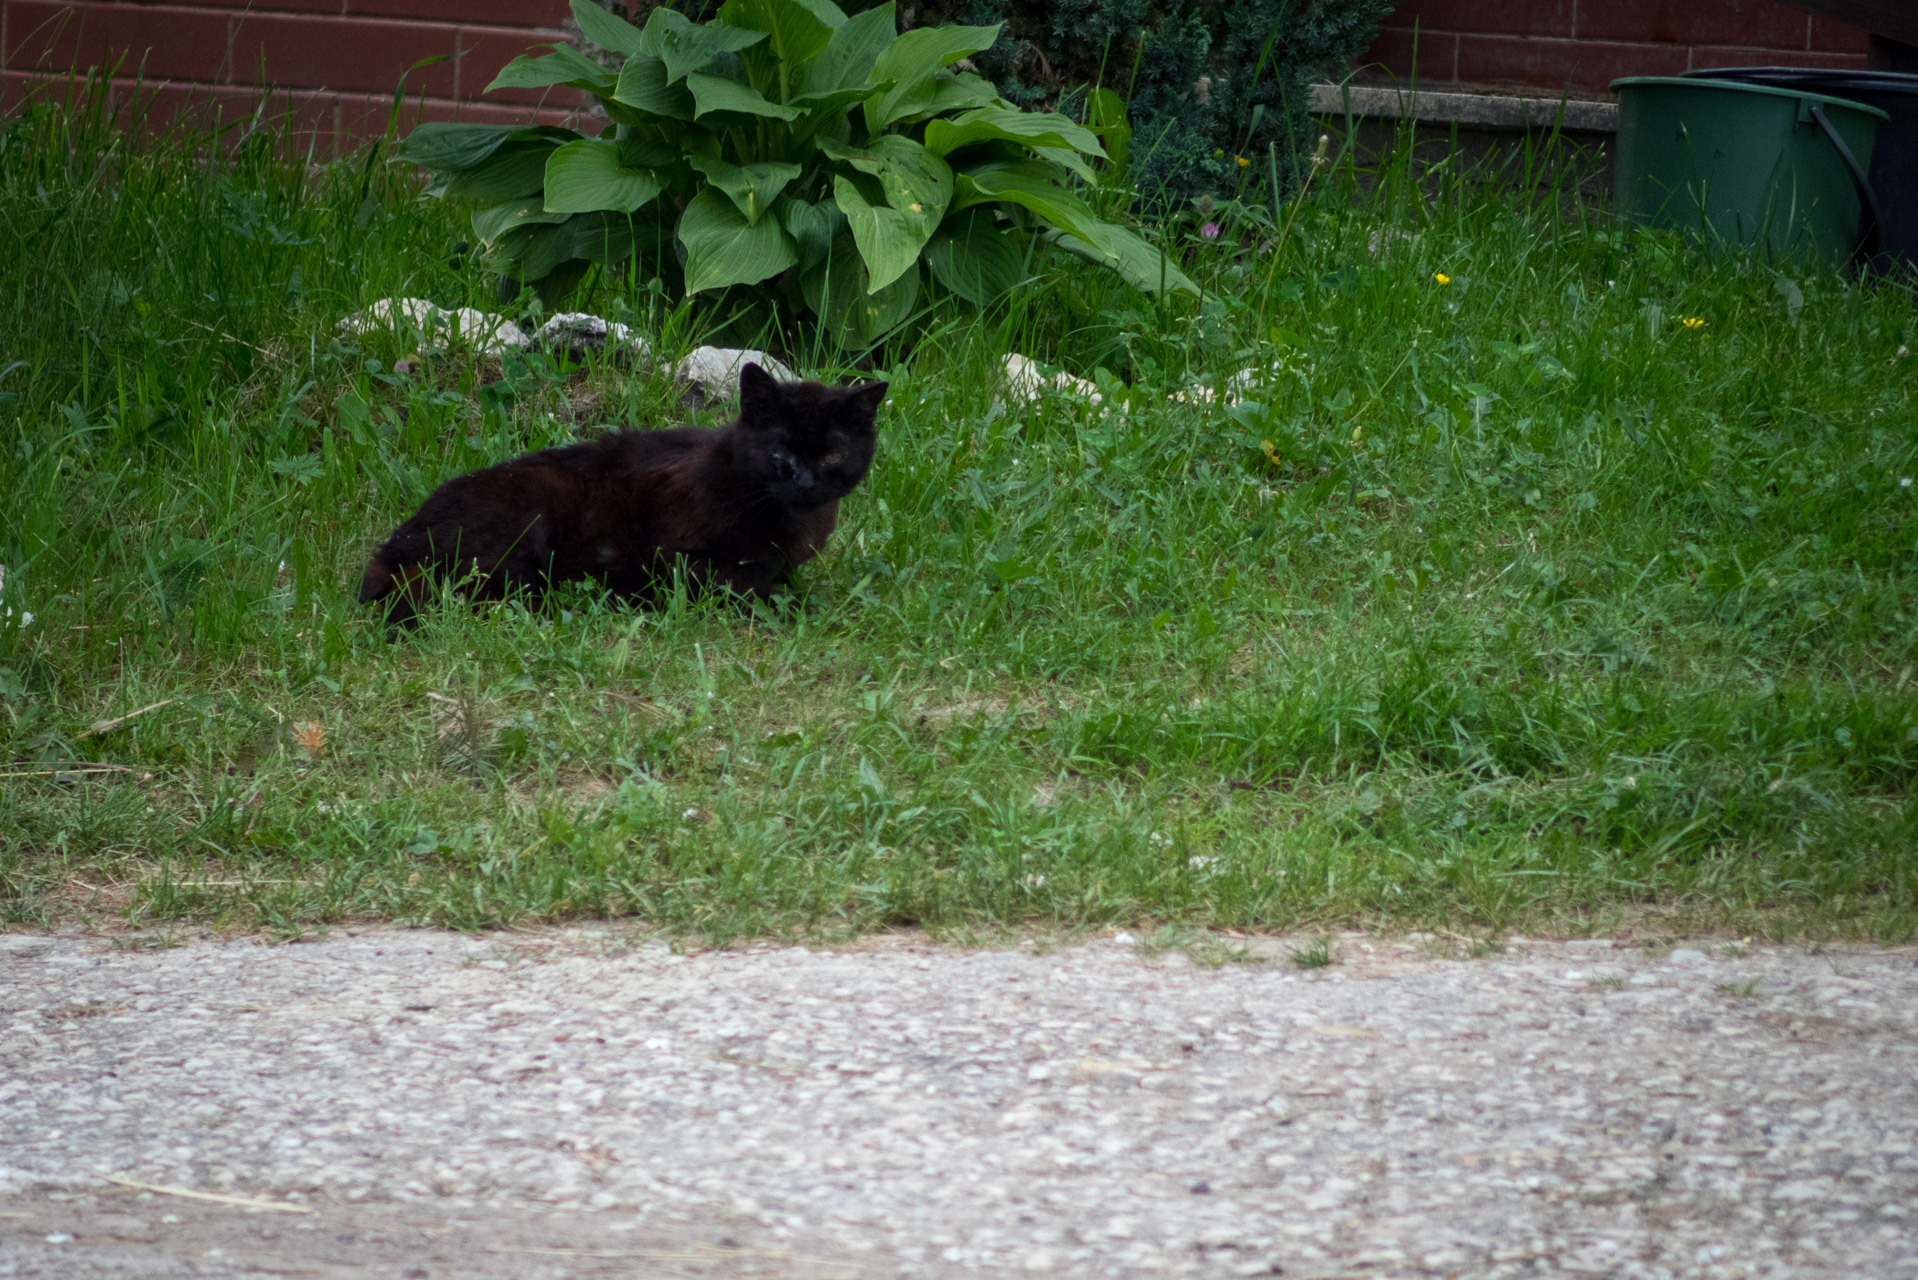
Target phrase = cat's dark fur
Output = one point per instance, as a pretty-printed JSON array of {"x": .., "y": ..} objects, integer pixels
[{"x": 740, "y": 507}]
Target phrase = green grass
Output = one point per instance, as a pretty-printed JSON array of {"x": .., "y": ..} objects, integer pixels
[{"x": 1540, "y": 610}]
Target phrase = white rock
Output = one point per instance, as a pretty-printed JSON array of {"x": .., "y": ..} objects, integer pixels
[
  {"x": 1685, "y": 958},
  {"x": 716, "y": 369},
  {"x": 1248, "y": 380},
  {"x": 487, "y": 334},
  {"x": 580, "y": 332},
  {"x": 26, "y": 619},
  {"x": 1025, "y": 382}
]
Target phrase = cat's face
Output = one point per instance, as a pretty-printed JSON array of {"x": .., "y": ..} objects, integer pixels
[{"x": 807, "y": 443}]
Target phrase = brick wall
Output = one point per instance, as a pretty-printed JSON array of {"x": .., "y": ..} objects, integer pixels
[
  {"x": 332, "y": 63},
  {"x": 1581, "y": 46}
]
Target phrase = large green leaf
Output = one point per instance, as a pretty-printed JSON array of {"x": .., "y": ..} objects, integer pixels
[
  {"x": 888, "y": 240},
  {"x": 606, "y": 237},
  {"x": 752, "y": 187},
  {"x": 988, "y": 181},
  {"x": 1025, "y": 183},
  {"x": 453, "y": 146},
  {"x": 909, "y": 63},
  {"x": 606, "y": 30},
  {"x": 813, "y": 228},
  {"x": 516, "y": 169},
  {"x": 974, "y": 257},
  {"x": 531, "y": 252},
  {"x": 826, "y": 11},
  {"x": 794, "y": 32},
  {"x": 641, "y": 147},
  {"x": 840, "y": 293},
  {"x": 643, "y": 84},
  {"x": 1137, "y": 263},
  {"x": 722, "y": 248},
  {"x": 949, "y": 93},
  {"x": 917, "y": 186},
  {"x": 490, "y": 223},
  {"x": 910, "y": 174},
  {"x": 828, "y": 101},
  {"x": 1029, "y": 128},
  {"x": 564, "y": 65},
  {"x": 687, "y": 49},
  {"x": 849, "y": 56},
  {"x": 1068, "y": 159},
  {"x": 663, "y": 25},
  {"x": 586, "y": 177},
  {"x": 716, "y": 93}
]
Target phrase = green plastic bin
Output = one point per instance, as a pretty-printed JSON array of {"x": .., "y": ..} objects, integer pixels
[{"x": 1748, "y": 165}]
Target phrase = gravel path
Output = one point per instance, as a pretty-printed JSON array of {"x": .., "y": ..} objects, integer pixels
[{"x": 589, "y": 1104}]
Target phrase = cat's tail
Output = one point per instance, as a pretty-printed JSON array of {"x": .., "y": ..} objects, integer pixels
[{"x": 400, "y": 589}]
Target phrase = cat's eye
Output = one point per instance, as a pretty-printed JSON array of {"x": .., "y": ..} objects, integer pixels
[{"x": 831, "y": 459}]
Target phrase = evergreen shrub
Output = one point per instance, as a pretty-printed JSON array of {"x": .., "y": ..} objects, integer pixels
[{"x": 1208, "y": 83}]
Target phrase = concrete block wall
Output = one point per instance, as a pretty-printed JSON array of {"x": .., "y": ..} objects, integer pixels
[
  {"x": 1581, "y": 46},
  {"x": 332, "y": 64}
]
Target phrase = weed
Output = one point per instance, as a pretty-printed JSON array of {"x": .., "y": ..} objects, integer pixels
[
  {"x": 1737, "y": 990},
  {"x": 1316, "y": 954}
]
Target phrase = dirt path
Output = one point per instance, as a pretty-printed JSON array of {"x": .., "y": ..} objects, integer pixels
[{"x": 584, "y": 1105}]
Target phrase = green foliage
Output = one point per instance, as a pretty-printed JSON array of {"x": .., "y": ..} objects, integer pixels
[
  {"x": 785, "y": 142},
  {"x": 1208, "y": 81},
  {"x": 1542, "y": 610}
]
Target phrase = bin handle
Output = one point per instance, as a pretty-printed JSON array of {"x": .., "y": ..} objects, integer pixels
[{"x": 1869, "y": 211}]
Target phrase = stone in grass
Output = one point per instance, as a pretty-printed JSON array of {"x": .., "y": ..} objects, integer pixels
[
  {"x": 578, "y": 334},
  {"x": 487, "y": 334},
  {"x": 712, "y": 373},
  {"x": 1025, "y": 382}
]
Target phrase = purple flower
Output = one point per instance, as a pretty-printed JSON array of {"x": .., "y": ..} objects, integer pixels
[{"x": 1210, "y": 231}]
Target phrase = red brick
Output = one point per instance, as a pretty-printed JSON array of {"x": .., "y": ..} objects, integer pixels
[
  {"x": 17, "y": 86},
  {"x": 1828, "y": 36},
  {"x": 342, "y": 53},
  {"x": 1705, "y": 56},
  {"x": 435, "y": 109},
  {"x": 176, "y": 43},
  {"x": 1511, "y": 17},
  {"x": 1437, "y": 60},
  {"x": 505, "y": 13},
  {"x": 1758, "y": 23},
  {"x": 231, "y": 108},
  {"x": 1563, "y": 64},
  {"x": 275, "y": 6}
]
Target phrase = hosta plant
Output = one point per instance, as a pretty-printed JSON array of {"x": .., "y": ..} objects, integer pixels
[{"x": 825, "y": 163}]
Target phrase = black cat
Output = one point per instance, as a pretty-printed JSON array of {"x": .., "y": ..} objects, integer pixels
[{"x": 740, "y": 507}]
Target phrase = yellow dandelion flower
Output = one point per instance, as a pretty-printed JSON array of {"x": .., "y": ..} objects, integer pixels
[
  {"x": 1441, "y": 277},
  {"x": 1243, "y": 162},
  {"x": 1693, "y": 322},
  {"x": 1270, "y": 451}
]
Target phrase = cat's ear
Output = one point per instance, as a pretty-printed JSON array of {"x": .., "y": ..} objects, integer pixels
[
  {"x": 862, "y": 403},
  {"x": 758, "y": 394}
]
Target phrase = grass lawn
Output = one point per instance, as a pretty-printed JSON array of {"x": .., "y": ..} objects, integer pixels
[{"x": 1512, "y": 600}]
